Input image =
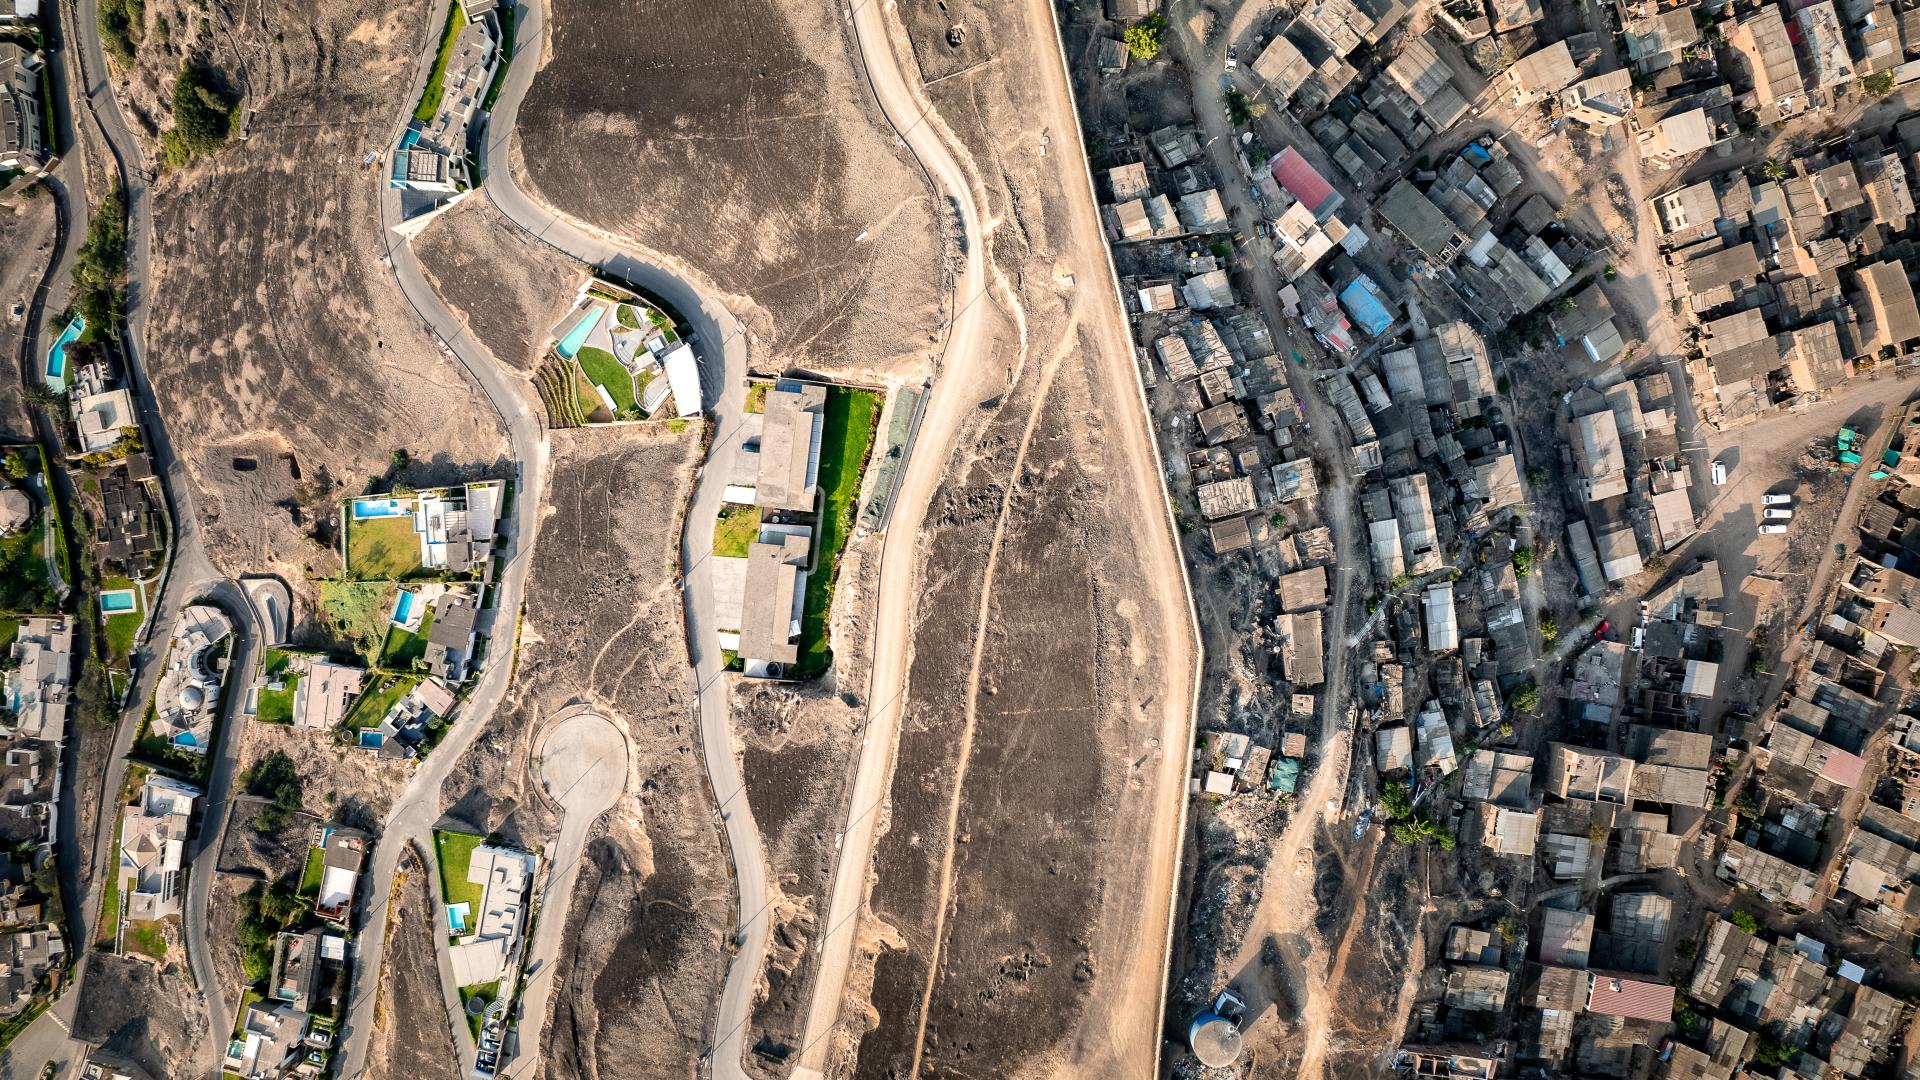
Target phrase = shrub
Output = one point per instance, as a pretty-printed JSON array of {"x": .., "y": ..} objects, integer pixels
[
  {"x": 202, "y": 116},
  {"x": 274, "y": 778},
  {"x": 1523, "y": 561},
  {"x": 1527, "y": 698},
  {"x": 1241, "y": 109},
  {"x": 1549, "y": 630},
  {"x": 101, "y": 268},
  {"x": 1745, "y": 922},
  {"x": 1878, "y": 84},
  {"x": 1395, "y": 800},
  {"x": 1145, "y": 37},
  {"x": 122, "y": 25}
]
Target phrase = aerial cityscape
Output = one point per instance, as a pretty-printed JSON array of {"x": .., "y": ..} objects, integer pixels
[{"x": 1200, "y": 539}]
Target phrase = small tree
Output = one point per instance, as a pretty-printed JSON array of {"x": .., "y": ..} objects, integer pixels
[
  {"x": 1549, "y": 630},
  {"x": 1278, "y": 520},
  {"x": 1878, "y": 84},
  {"x": 1745, "y": 922},
  {"x": 1527, "y": 698},
  {"x": 17, "y": 465},
  {"x": 399, "y": 459},
  {"x": 1775, "y": 169},
  {"x": 1523, "y": 561},
  {"x": 1509, "y": 929},
  {"x": 1145, "y": 37}
]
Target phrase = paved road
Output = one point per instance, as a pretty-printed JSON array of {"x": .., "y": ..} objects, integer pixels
[
  {"x": 896, "y": 594},
  {"x": 716, "y": 336}
]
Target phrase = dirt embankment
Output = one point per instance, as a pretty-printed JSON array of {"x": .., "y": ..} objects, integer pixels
[
  {"x": 26, "y": 241},
  {"x": 411, "y": 1040},
  {"x": 275, "y": 333},
  {"x": 128, "y": 1008},
  {"x": 642, "y": 960},
  {"x": 739, "y": 140},
  {"x": 248, "y": 857},
  {"x": 508, "y": 287}
]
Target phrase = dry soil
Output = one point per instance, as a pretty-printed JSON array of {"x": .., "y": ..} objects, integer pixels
[
  {"x": 643, "y": 956},
  {"x": 739, "y": 138},
  {"x": 132, "y": 1010},
  {"x": 507, "y": 286},
  {"x": 411, "y": 1040},
  {"x": 274, "y": 332}
]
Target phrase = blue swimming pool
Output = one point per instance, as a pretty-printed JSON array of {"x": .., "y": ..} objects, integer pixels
[
  {"x": 372, "y": 739},
  {"x": 403, "y": 608},
  {"x": 577, "y": 336},
  {"x": 57, "y": 356},
  {"x": 457, "y": 917},
  {"x": 381, "y": 508},
  {"x": 118, "y": 600}
]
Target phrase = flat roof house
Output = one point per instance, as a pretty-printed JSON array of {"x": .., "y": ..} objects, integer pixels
[
  {"x": 1543, "y": 71},
  {"x": 1415, "y": 217},
  {"x": 452, "y": 637},
  {"x": 775, "y": 600},
  {"x": 485, "y": 953},
  {"x": 1896, "y": 318},
  {"x": 342, "y": 855},
  {"x": 1601, "y": 101},
  {"x": 21, "y": 138},
  {"x": 37, "y": 686},
  {"x": 153, "y": 848},
  {"x": 100, "y": 417},
  {"x": 1762, "y": 42}
]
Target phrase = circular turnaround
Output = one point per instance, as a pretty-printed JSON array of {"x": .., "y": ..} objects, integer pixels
[{"x": 583, "y": 763}]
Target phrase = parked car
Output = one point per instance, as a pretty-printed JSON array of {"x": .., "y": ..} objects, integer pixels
[
  {"x": 1719, "y": 473},
  {"x": 1639, "y": 637},
  {"x": 1778, "y": 513},
  {"x": 1233, "y": 58},
  {"x": 1777, "y": 500},
  {"x": 1772, "y": 530},
  {"x": 1601, "y": 630}
]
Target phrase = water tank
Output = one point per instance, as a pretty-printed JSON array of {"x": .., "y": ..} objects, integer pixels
[{"x": 1215, "y": 1040}]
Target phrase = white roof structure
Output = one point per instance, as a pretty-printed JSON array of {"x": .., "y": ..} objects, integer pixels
[
  {"x": 485, "y": 953},
  {"x": 99, "y": 418},
  {"x": 683, "y": 374},
  {"x": 1443, "y": 630},
  {"x": 153, "y": 846},
  {"x": 43, "y": 671}
]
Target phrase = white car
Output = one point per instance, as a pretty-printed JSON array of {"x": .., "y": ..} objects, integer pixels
[
  {"x": 1719, "y": 473},
  {"x": 1772, "y": 530},
  {"x": 1777, "y": 500},
  {"x": 1775, "y": 513}
]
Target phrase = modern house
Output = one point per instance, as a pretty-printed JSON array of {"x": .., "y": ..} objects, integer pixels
[
  {"x": 99, "y": 418},
  {"x": 452, "y": 638},
  {"x": 342, "y": 855},
  {"x": 187, "y": 701},
  {"x": 788, "y": 453},
  {"x": 42, "y": 672},
  {"x": 153, "y": 848},
  {"x": 488, "y": 939},
  {"x": 775, "y": 599},
  {"x": 22, "y": 138}
]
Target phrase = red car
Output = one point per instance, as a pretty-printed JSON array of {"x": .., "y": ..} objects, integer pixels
[{"x": 1601, "y": 630}]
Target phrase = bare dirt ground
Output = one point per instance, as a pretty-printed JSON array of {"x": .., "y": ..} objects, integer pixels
[
  {"x": 130, "y": 1009},
  {"x": 739, "y": 140},
  {"x": 1032, "y": 817},
  {"x": 411, "y": 1040},
  {"x": 26, "y": 241},
  {"x": 509, "y": 287},
  {"x": 273, "y": 332},
  {"x": 248, "y": 856},
  {"x": 644, "y": 957},
  {"x": 796, "y": 748}
]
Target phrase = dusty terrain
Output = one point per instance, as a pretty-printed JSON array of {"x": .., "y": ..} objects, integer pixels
[
  {"x": 131, "y": 1010},
  {"x": 1045, "y": 729},
  {"x": 248, "y": 856},
  {"x": 411, "y": 1037},
  {"x": 509, "y": 287},
  {"x": 643, "y": 960},
  {"x": 739, "y": 140},
  {"x": 308, "y": 356},
  {"x": 26, "y": 240}
]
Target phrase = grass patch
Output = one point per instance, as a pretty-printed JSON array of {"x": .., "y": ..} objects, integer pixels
[
  {"x": 487, "y": 992},
  {"x": 603, "y": 368},
  {"x": 121, "y": 626},
  {"x": 382, "y": 549},
  {"x": 403, "y": 647},
  {"x": 372, "y": 706},
  {"x": 25, "y": 583},
  {"x": 586, "y": 398},
  {"x": 845, "y": 443},
  {"x": 9, "y": 629},
  {"x": 736, "y": 530},
  {"x": 437, "y": 80},
  {"x": 757, "y": 397},
  {"x": 356, "y": 612},
  {"x": 107, "y": 926},
  {"x": 274, "y": 661},
  {"x": 276, "y": 706},
  {"x": 248, "y": 996},
  {"x": 508, "y": 27},
  {"x": 148, "y": 939},
  {"x": 628, "y": 319},
  {"x": 453, "y": 851},
  {"x": 310, "y": 875}
]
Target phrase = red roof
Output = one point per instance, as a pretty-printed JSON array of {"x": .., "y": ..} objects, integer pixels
[
  {"x": 1843, "y": 768},
  {"x": 1300, "y": 179},
  {"x": 1612, "y": 995}
]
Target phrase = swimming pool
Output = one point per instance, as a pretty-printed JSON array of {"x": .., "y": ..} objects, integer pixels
[
  {"x": 577, "y": 336},
  {"x": 57, "y": 356},
  {"x": 457, "y": 917},
  {"x": 372, "y": 740},
  {"x": 381, "y": 508},
  {"x": 118, "y": 600},
  {"x": 403, "y": 608}
]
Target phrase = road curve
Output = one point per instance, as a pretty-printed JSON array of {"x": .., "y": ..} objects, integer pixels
[
  {"x": 947, "y": 404},
  {"x": 716, "y": 337}
]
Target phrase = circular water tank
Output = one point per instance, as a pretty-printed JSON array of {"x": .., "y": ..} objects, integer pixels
[
  {"x": 192, "y": 697},
  {"x": 1215, "y": 1040}
]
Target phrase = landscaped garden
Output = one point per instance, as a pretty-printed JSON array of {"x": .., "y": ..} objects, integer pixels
[
  {"x": 735, "y": 531},
  {"x": 403, "y": 647},
  {"x": 605, "y": 370},
  {"x": 372, "y": 706},
  {"x": 453, "y": 851},
  {"x": 121, "y": 626},
  {"x": 357, "y": 613},
  {"x": 382, "y": 548},
  {"x": 846, "y": 441},
  {"x": 437, "y": 81}
]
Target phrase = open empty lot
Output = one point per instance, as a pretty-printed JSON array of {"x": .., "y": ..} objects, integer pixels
[
  {"x": 738, "y": 140},
  {"x": 508, "y": 286},
  {"x": 411, "y": 1038},
  {"x": 275, "y": 333}
]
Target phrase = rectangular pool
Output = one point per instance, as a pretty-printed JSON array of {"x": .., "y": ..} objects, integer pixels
[
  {"x": 57, "y": 356},
  {"x": 119, "y": 600},
  {"x": 403, "y": 608},
  {"x": 372, "y": 740},
  {"x": 577, "y": 336},
  {"x": 364, "y": 509}
]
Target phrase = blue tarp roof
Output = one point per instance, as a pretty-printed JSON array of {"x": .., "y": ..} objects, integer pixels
[{"x": 1365, "y": 308}]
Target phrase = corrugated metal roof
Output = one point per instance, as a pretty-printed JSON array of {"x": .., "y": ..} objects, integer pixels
[
  {"x": 1612, "y": 995},
  {"x": 1301, "y": 179}
]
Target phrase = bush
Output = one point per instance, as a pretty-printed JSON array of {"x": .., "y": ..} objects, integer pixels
[
  {"x": 1523, "y": 561},
  {"x": 1745, "y": 922},
  {"x": 1549, "y": 630},
  {"x": 202, "y": 116},
  {"x": 1395, "y": 800},
  {"x": 273, "y": 778},
  {"x": 122, "y": 25},
  {"x": 1527, "y": 698},
  {"x": 1879, "y": 84},
  {"x": 101, "y": 268},
  {"x": 1145, "y": 37},
  {"x": 1241, "y": 109}
]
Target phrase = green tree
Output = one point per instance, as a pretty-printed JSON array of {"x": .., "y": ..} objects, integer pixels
[
  {"x": 1549, "y": 630},
  {"x": 1523, "y": 561},
  {"x": 1775, "y": 169},
  {"x": 1878, "y": 84},
  {"x": 1509, "y": 929},
  {"x": 1278, "y": 520},
  {"x": 1770, "y": 1049},
  {"x": 1527, "y": 698},
  {"x": 275, "y": 779},
  {"x": 17, "y": 466},
  {"x": 202, "y": 116},
  {"x": 1745, "y": 922},
  {"x": 1145, "y": 37},
  {"x": 1241, "y": 109},
  {"x": 399, "y": 459},
  {"x": 1395, "y": 800},
  {"x": 100, "y": 271}
]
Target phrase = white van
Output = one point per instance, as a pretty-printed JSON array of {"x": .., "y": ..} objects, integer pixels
[{"x": 1719, "y": 473}]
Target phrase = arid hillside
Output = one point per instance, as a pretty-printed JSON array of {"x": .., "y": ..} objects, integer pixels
[{"x": 739, "y": 139}]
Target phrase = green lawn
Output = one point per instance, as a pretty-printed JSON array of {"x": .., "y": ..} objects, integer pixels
[
  {"x": 583, "y": 392},
  {"x": 274, "y": 661},
  {"x": 628, "y": 318},
  {"x": 403, "y": 648},
  {"x": 757, "y": 396},
  {"x": 249, "y": 995},
  {"x": 736, "y": 530},
  {"x": 488, "y": 992},
  {"x": 9, "y": 629},
  {"x": 147, "y": 938},
  {"x": 437, "y": 81},
  {"x": 276, "y": 706},
  {"x": 373, "y": 705},
  {"x": 453, "y": 851},
  {"x": 845, "y": 444},
  {"x": 310, "y": 875},
  {"x": 122, "y": 626},
  {"x": 382, "y": 549},
  {"x": 604, "y": 369}
]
